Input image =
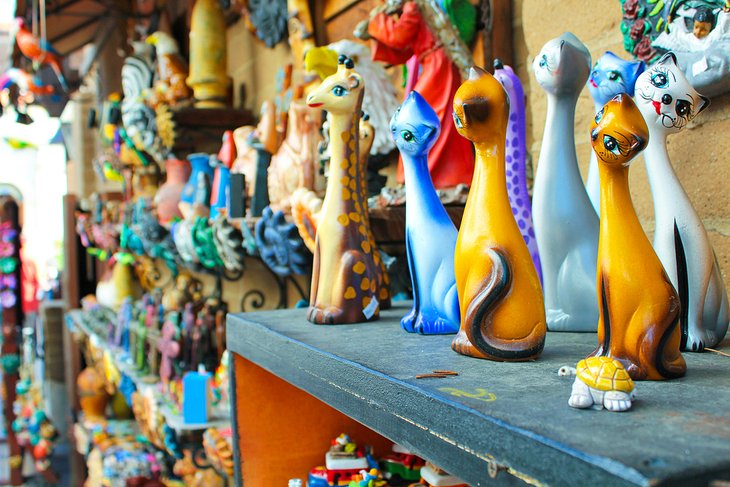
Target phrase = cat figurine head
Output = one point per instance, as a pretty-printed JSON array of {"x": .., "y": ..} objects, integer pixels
[
  {"x": 612, "y": 75},
  {"x": 665, "y": 98},
  {"x": 618, "y": 132},
  {"x": 481, "y": 108},
  {"x": 563, "y": 66},
  {"x": 415, "y": 125}
]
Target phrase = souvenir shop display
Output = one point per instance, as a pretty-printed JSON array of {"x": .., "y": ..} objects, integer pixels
[{"x": 242, "y": 172}]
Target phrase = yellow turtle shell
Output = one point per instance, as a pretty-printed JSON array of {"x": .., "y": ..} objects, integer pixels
[{"x": 604, "y": 374}]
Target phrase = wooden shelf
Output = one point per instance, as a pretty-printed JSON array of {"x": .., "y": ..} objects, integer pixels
[{"x": 495, "y": 422}]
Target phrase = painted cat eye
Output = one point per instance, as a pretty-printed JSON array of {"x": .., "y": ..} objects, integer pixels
[
  {"x": 339, "y": 91},
  {"x": 683, "y": 108},
  {"x": 457, "y": 121},
  {"x": 407, "y": 135},
  {"x": 599, "y": 115},
  {"x": 614, "y": 75},
  {"x": 610, "y": 144},
  {"x": 543, "y": 61},
  {"x": 659, "y": 80}
]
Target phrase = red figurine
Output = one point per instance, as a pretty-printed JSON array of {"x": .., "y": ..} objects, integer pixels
[
  {"x": 451, "y": 160},
  {"x": 38, "y": 50}
]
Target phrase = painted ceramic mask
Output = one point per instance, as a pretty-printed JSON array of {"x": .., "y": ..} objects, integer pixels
[
  {"x": 668, "y": 102},
  {"x": 430, "y": 233},
  {"x": 566, "y": 225}
]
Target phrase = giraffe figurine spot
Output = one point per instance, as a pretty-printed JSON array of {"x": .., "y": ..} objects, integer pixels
[{"x": 344, "y": 267}]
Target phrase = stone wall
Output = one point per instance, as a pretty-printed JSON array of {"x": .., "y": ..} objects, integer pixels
[{"x": 699, "y": 153}]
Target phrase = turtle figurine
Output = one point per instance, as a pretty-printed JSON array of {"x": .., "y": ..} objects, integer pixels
[{"x": 601, "y": 382}]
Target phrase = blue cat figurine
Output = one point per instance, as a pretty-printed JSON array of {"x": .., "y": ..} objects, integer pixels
[
  {"x": 609, "y": 77},
  {"x": 430, "y": 233}
]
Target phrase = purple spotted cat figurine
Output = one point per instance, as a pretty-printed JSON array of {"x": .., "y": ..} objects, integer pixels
[{"x": 516, "y": 153}]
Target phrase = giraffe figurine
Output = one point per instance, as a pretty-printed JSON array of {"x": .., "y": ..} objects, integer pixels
[{"x": 349, "y": 284}]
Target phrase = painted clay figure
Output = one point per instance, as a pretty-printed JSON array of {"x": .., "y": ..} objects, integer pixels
[
  {"x": 698, "y": 34},
  {"x": 566, "y": 226},
  {"x": 348, "y": 283},
  {"x": 609, "y": 77},
  {"x": 172, "y": 70},
  {"x": 668, "y": 102},
  {"x": 451, "y": 160},
  {"x": 495, "y": 276},
  {"x": 430, "y": 233},
  {"x": 638, "y": 307},
  {"x": 295, "y": 165},
  {"x": 515, "y": 159},
  {"x": 601, "y": 382}
]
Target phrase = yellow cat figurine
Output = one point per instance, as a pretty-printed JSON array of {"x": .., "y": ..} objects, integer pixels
[
  {"x": 501, "y": 301},
  {"x": 638, "y": 306}
]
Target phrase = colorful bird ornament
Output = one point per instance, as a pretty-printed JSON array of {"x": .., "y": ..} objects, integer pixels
[{"x": 38, "y": 50}]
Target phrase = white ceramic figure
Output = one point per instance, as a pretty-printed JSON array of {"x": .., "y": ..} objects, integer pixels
[
  {"x": 601, "y": 382},
  {"x": 609, "y": 77},
  {"x": 566, "y": 225},
  {"x": 668, "y": 102}
]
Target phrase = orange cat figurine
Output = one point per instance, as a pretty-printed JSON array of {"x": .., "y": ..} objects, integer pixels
[
  {"x": 501, "y": 301},
  {"x": 638, "y": 306}
]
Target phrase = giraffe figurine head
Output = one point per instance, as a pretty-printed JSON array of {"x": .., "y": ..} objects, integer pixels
[{"x": 340, "y": 93}]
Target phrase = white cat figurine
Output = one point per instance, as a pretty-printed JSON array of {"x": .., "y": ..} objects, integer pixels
[
  {"x": 668, "y": 102},
  {"x": 566, "y": 225}
]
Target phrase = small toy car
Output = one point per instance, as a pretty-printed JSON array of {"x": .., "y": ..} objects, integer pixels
[{"x": 402, "y": 463}]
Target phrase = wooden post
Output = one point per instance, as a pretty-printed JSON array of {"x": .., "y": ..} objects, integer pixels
[
  {"x": 497, "y": 35},
  {"x": 12, "y": 319}
]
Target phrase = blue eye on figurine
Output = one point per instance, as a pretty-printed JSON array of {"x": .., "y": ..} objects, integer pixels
[{"x": 430, "y": 233}]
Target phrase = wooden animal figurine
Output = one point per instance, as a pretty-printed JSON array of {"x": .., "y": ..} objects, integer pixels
[
  {"x": 515, "y": 159},
  {"x": 38, "y": 50},
  {"x": 495, "y": 276},
  {"x": 348, "y": 282},
  {"x": 172, "y": 70},
  {"x": 609, "y": 77},
  {"x": 638, "y": 307},
  {"x": 668, "y": 102},
  {"x": 566, "y": 226},
  {"x": 430, "y": 233},
  {"x": 601, "y": 382}
]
